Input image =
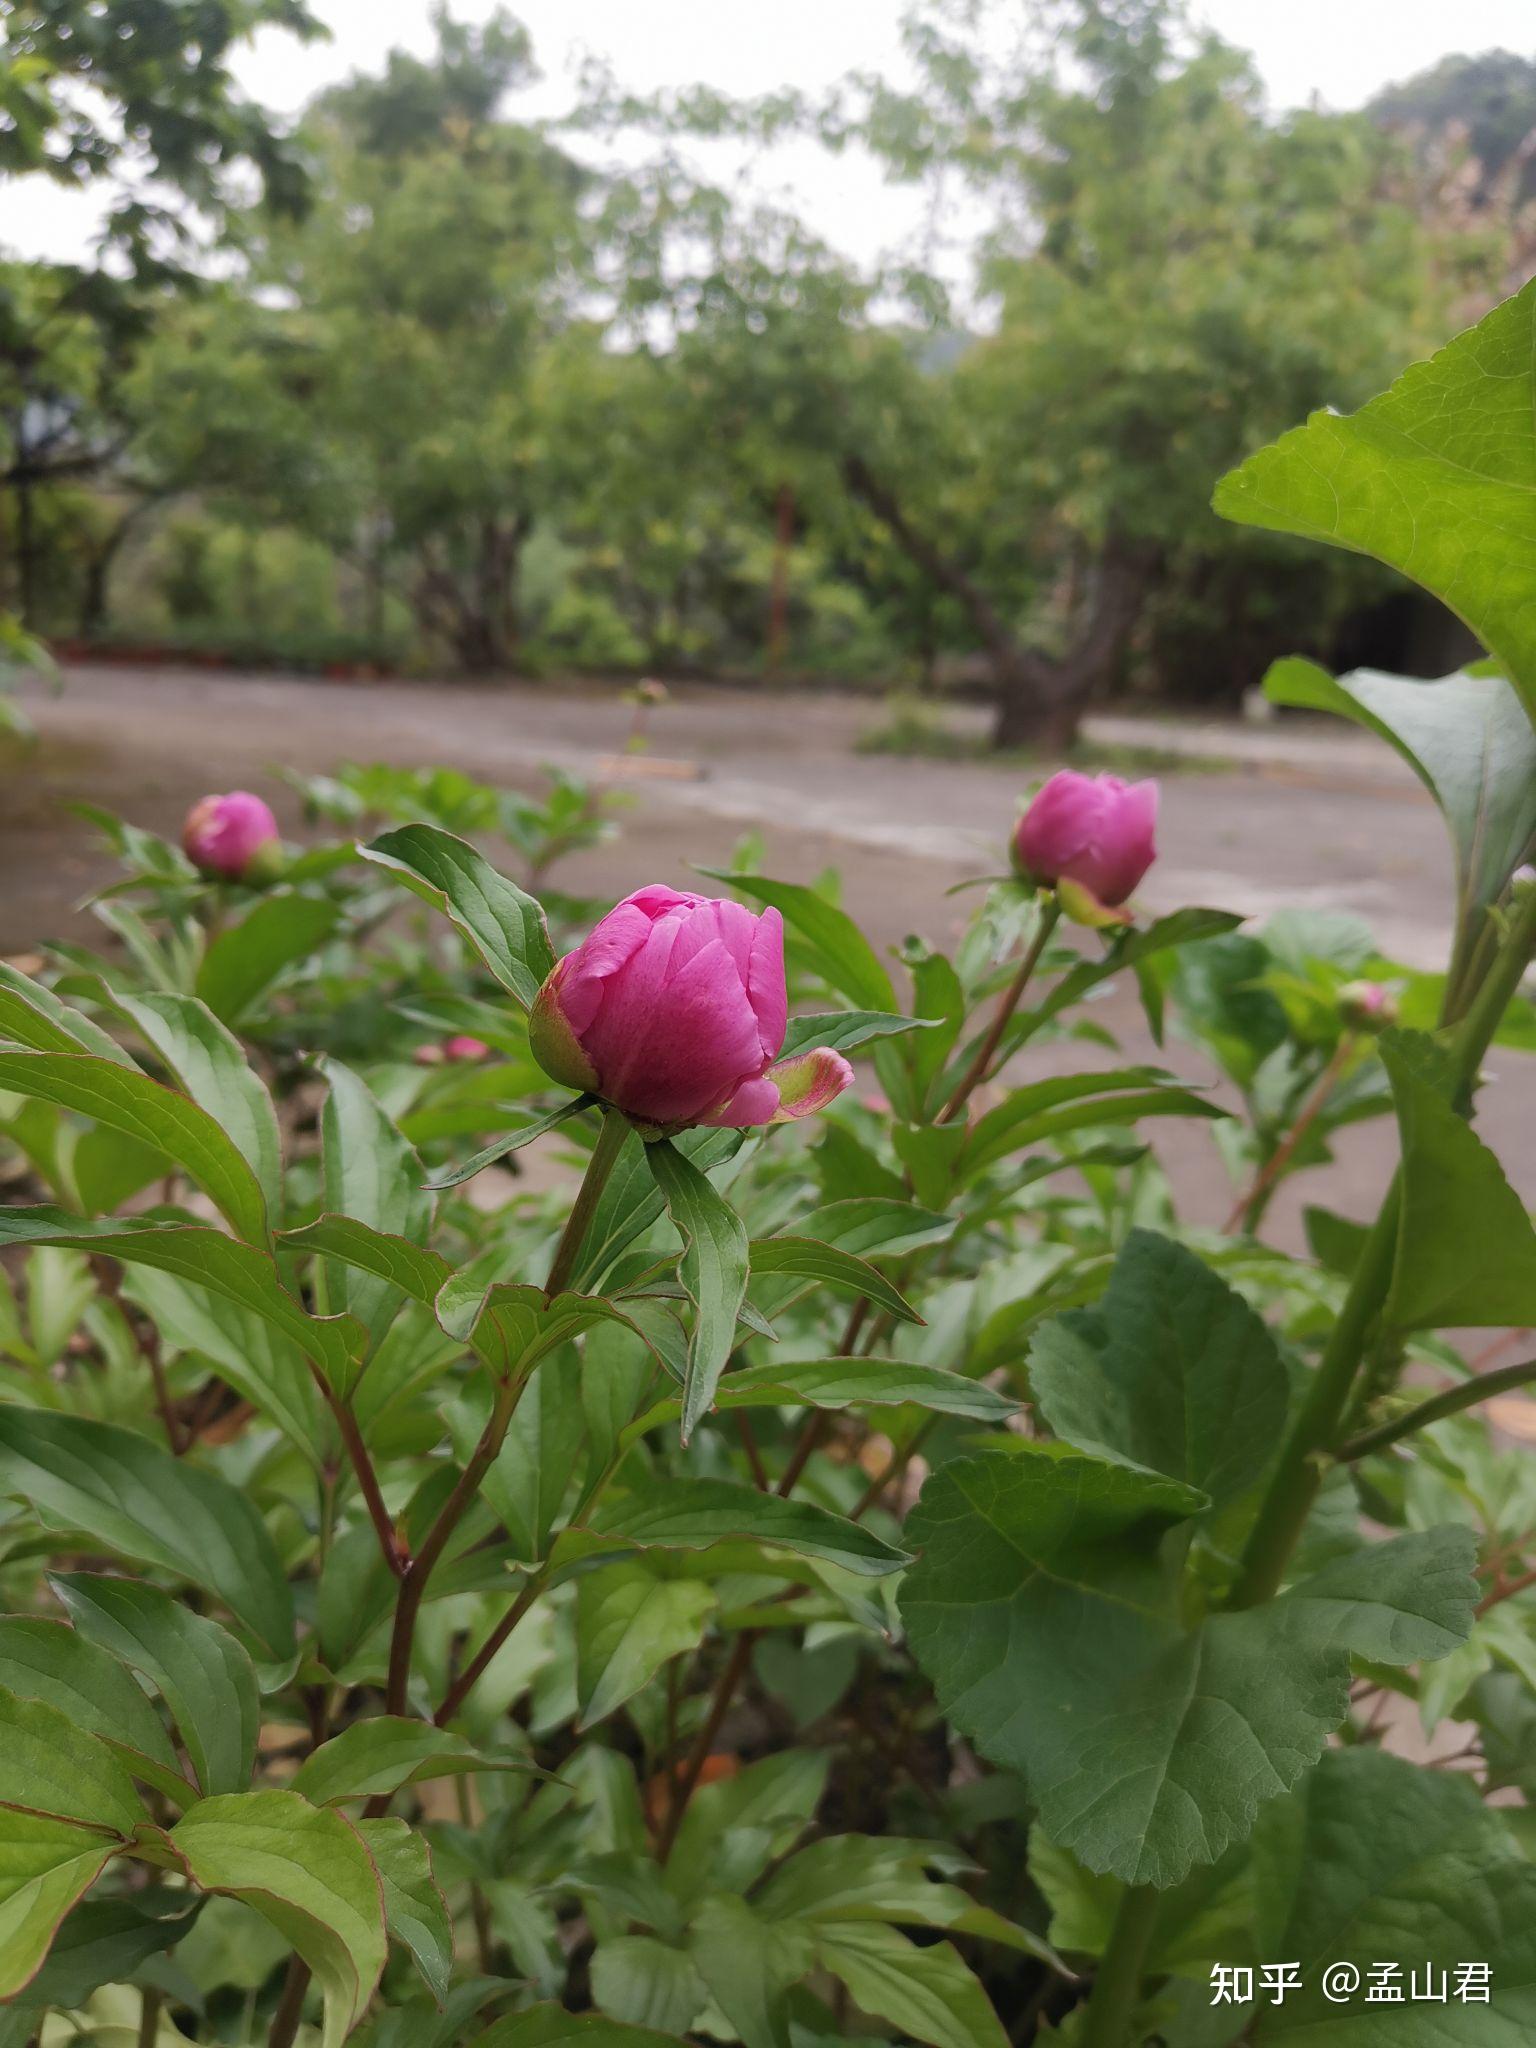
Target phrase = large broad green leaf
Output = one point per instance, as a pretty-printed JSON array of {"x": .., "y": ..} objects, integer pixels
[
  {"x": 1436, "y": 477},
  {"x": 736, "y": 1828},
  {"x": 372, "y": 1175},
  {"x": 631, "y": 1619},
  {"x": 247, "y": 958},
  {"x": 306, "y": 1870},
  {"x": 1374, "y": 1860},
  {"x": 138, "y": 1501},
  {"x": 122, "y": 1099},
  {"x": 415, "y": 1271},
  {"x": 50, "y": 1765},
  {"x": 198, "y": 1669},
  {"x": 49, "y": 1660},
  {"x": 928, "y": 1993},
  {"x": 382, "y": 1754},
  {"x": 1466, "y": 737},
  {"x": 415, "y": 1911},
  {"x": 207, "y": 1062},
  {"x": 1173, "y": 1372},
  {"x": 713, "y": 1270},
  {"x": 503, "y": 922},
  {"x": 551, "y": 2026},
  {"x": 831, "y": 941},
  {"x": 693, "y": 1514},
  {"x": 648, "y": 1983},
  {"x": 1046, "y": 1608},
  {"x": 1466, "y": 1251},
  {"x": 203, "y": 1258},
  {"x": 44, "y": 1867}
]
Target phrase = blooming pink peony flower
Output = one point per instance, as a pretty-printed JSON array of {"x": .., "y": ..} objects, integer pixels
[
  {"x": 224, "y": 835},
  {"x": 1094, "y": 830},
  {"x": 674, "y": 1010}
]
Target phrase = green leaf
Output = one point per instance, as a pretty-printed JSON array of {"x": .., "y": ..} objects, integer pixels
[
  {"x": 104, "y": 1941},
  {"x": 926, "y": 1992},
  {"x": 33, "y": 1016},
  {"x": 1466, "y": 1251},
  {"x": 306, "y": 1870},
  {"x": 503, "y": 923},
  {"x": 1468, "y": 739},
  {"x": 803, "y": 1258},
  {"x": 929, "y": 1153},
  {"x": 45, "y": 1865},
  {"x": 527, "y": 1485},
  {"x": 50, "y": 1765},
  {"x": 750, "y": 1964},
  {"x": 647, "y": 1983},
  {"x": 513, "y": 1141},
  {"x": 48, "y": 1660},
  {"x": 512, "y": 1324},
  {"x": 1130, "y": 948},
  {"x": 842, "y": 1030},
  {"x": 124, "y": 1100},
  {"x": 551, "y": 2026},
  {"x": 631, "y": 1202},
  {"x": 199, "y": 1670},
  {"x": 833, "y": 944},
  {"x": 203, "y": 1258},
  {"x": 1047, "y": 1610},
  {"x": 1436, "y": 477},
  {"x": 1071, "y": 1102},
  {"x": 1173, "y": 1372},
  {"x": 415, "y": 1912},
  {"x": 372, "y": 1175},
  {"x": 380, "y": 1755},
  {"x": 415, "y": 1271},
  {"x": 127, "y": 1494},
  {"x": 834, "y": 1383},
  {"x": 735, "y": 1828},
  {"x": 713, "y": 1270},
  {"x": 1374, "y": 1860},
  {"x": 693, "y": 1514},
  {"x": 630, "y": 1621},
  {"x": 247, "y": 958},
  {"x": 208, "y": 1064}
]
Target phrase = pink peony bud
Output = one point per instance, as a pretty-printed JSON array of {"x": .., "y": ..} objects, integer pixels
[
  {"x": 1367, "y": 1006},
  {"x": 1094, "y": 830},
  {"x": 674, "y": 1010},
  {"x": 225, "y": 835},
  {"x": 464, "y": 1051}
]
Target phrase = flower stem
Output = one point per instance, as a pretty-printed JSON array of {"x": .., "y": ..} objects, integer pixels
[
  {"x": 1249, "y": 1208},
  {"x": 977, "y": 1071},
  {"x": 367, "y": 1480},
  {"x": 1465, "y": 1394},
  {"x": 1117, "y": 1982},
  {"x": 612, "y": 1132}
]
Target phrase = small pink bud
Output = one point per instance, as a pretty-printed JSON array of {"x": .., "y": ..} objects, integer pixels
[
  {"x": 227, "y": 835},
  {"x": 1367, "y": 1006},
  {"x": 1092, "y": 830},
  {"x": 464, "y": 1051},
  {"x": 674, "y": 1009}
]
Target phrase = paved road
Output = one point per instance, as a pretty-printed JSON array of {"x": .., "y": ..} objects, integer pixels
[{"x": 1297, "y": 816}]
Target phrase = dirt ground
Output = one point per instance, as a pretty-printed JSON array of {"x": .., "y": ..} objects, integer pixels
[{"x": 1294, "y": 815}]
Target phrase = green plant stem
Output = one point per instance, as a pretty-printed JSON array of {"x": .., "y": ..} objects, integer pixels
[
  {"x": 1465, "y": 1394},
  {"x": 367, "y": 1480},
  {"x": 480, "y": 1663},
  {"x": 1008, "y": 1002},
  {"x": 413, "y": 1585},
  {"x": 612, "y": 1132},
  {"x": 719, "y": 1706},
  {"x": 151, "y": 2003},
  {"x": 1117, "y": 1981},
  {"x": 1248, "y": 1209},
  {"x": 1298, "y": 1472}
]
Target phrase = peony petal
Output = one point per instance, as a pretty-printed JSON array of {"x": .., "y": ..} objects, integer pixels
[
  {"x": 809, "y": 1081},
  {"x": 766, "y": 989},
  {"x": 669, "y": 1052},
  {"x": 755, "y": 1102}
]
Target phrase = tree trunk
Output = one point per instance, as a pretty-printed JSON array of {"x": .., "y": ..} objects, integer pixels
[
  {"x": 778, "y": 597},
  {"x": 1022, "y": 718}
]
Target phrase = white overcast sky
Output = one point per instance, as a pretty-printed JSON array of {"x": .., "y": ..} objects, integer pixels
[{"x": 1338, "y": 51}]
